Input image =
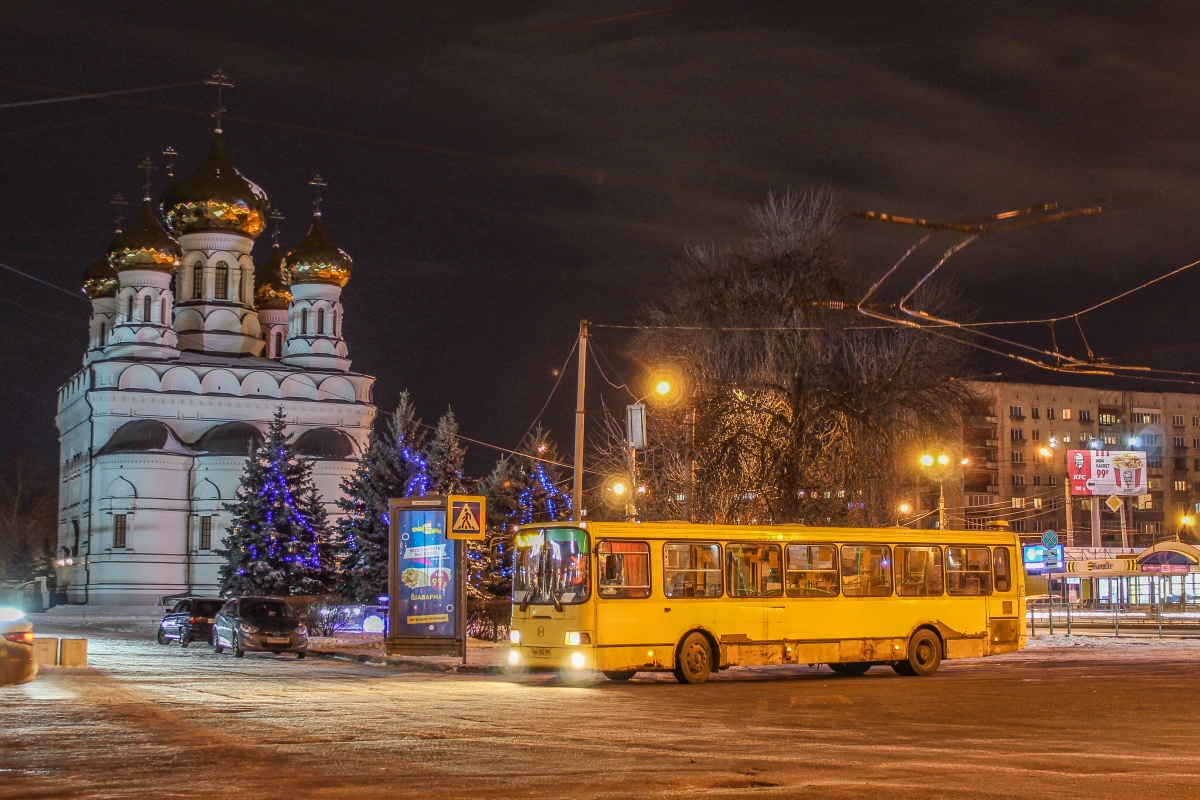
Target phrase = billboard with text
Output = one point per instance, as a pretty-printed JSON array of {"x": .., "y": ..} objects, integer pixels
[{"x": 1099, "y": 473}]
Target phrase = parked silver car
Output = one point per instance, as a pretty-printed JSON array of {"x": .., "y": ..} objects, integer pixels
[
  {"x": 17, "y": 664},
  {"x": 264, "y": 624}
]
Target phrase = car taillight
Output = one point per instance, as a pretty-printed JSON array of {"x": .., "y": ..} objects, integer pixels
[
  {"x": 193, "y": 621},
  {"x": 22, "y": 637}
]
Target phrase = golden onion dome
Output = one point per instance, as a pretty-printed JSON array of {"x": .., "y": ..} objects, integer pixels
[
  {"x": 100, "y": 280},
  {"x": 144, "y": 245},
  {"x": 317, "y": 260},
  {"x": 216, "y": 198},
  {"x": 272, "y": 290}
]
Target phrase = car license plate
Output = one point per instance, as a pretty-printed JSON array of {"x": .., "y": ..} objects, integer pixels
[
  {"x": 541, "y": 652},
  {"x": 276, "y": 640}
]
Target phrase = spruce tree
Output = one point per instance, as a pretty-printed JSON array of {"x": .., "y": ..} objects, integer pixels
[
  {"x": 446, "y": 458},
  {"x": 278, "y": 542},
  {"x": 539, "y": 498},
  {"x": 391, "y": 466}
]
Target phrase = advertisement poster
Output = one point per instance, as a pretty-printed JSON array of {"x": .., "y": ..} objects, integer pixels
[
  {"x": 426, "y": 595},
  {"x": 1098, "y": 473}
]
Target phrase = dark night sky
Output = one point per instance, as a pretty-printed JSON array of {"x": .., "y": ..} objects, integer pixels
[{"x": 500, "y": 170}]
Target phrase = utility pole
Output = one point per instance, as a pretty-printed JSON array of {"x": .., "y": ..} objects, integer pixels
[{"x": 580, "y": 387}]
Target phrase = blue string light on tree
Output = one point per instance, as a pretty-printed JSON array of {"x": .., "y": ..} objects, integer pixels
[{"x": 557, "y": 502}]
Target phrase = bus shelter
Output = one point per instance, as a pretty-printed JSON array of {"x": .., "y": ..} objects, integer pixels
[{"x": 1168, "y": 572}]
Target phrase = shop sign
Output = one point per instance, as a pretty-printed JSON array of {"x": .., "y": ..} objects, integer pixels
[{"x": 1167, "y": 569}]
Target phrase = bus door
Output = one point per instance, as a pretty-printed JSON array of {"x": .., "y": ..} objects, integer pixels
[
  {"x": 623, "y": 575},
  {"x": 755, "y": 585}
]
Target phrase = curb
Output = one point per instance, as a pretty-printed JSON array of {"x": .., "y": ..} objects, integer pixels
[{"x": 408, "y": 664}]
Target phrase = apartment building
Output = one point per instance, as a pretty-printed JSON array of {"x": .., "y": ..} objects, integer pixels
[{"x": 1016, "y": 437}]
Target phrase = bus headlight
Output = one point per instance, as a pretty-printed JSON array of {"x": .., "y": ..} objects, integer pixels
[
  {"x": 576, "y": 638},
  {"x": 513, "y": 657},
  {"x": 514, "y": 637},
  {"x": 577, "y": 660}
]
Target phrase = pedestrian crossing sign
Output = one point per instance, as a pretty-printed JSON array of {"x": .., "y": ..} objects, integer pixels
[{"x": 467, "y": 516}]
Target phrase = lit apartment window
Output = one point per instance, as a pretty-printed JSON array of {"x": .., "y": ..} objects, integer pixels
[
  {"x": 1037, "y": 502},
  {"x": 1177, "y": 420},
  {"x": 1018, "y": 502},
  {"x": 1110, "y": 438},
  {"x": 1018, "y": 480},
  {"x": 120, "y": 530},
  {"x": 1016, "y": 411},
  {"x": 206, "y": 533},
  {"x": 1109, "y": 419},
  {"x": 1018, "y": 457},
  {"x": 1066, "y": 413},
  {"x": 1153, "y": 528},
  {"x": 1181, "y": 486},
  {"x": 1066, "y": 437}
]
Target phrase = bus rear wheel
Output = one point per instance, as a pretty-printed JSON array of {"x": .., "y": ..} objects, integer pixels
[
  {"x": 694, "y": 662},
  {"x": 619, "y": 675},
  {"x": 851, "y": 667},
  {"x": 924, "y": 655}
]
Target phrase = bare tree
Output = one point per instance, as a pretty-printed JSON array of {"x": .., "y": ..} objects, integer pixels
[
  {"x": 28, "y": 518},
  {"x": 799, "y": 410}
]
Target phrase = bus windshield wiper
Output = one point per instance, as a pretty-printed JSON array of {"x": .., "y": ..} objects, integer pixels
[
  {"x": 557, "y": 603},
  {"x": 528, "y": 599}
]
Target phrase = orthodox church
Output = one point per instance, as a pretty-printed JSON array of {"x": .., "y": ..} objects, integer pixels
[{"x": 189, "y": 356}]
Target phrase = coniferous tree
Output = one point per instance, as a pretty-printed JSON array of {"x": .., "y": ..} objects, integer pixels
[
  {"x": 446, "y": 458},
  {"x": 540, "y": 499},
  {"x": 391, "y": 466},
  {"x": 278, "y": 542}
]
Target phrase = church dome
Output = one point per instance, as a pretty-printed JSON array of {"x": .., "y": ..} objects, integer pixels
[
  {"x": 216, "y": 198},
  {"x": 325, "y": 443},
  {"x": 317, "y": 259},
  {"x": 144, "y": 245},
  {"x": 100, "y": 280},
  {"x": 230, "y": 439},
  {"x": 272, "y": 290}
]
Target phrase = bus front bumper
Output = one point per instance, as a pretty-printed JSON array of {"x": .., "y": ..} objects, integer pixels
[{"x": 574, "y": 659}]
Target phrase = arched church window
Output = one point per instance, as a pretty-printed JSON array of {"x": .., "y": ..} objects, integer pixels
[
  {"x": 129, "y": 308},
  {"x": 333, "y": 329},
  {"x": 146, "y": 309},
  {"x": 320, "y": 322},
  {"x": 197, "y": 280},
  {"x": 162, "y": 317},
  {"x": 278, "y": 344},
  {"x": 304, "y": 322},
  {"x": 101, "y": 333},
  {"x": 222, "y": 289}
]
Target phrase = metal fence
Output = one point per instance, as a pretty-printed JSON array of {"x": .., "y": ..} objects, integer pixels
[{"x": 1161, "y": 619}]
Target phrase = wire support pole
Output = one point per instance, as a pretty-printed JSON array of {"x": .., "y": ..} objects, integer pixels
[{"x": 580, "y": 414}]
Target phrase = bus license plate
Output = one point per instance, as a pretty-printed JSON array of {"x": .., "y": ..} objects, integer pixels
[{"x": 541, "y": 652}]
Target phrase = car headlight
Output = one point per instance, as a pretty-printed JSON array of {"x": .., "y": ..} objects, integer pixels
[
  {"x": 300, "y": 629},
  {"x": 246, "y": 627},
  {"x": 514, "y": 637},
  {"x": 576, "y": 638}
]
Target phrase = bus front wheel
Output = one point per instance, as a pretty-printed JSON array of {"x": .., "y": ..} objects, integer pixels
[
  {"x": 924, "y": 655},
  {"x": 694, "y": 662}
]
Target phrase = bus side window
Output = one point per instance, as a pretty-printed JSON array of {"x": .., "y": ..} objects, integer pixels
[
  {"x": 754, "y": 570},
  {"x": 812, "y": 570},
  {"x": 918, "y": 571},
  {"x": 866, "y": 571},
  {"x": 1001, "y": 564},
  {"x": 624, "y": 569},
  {"x": 692, "y": 570},
  {"x": 968, "y": 571}
]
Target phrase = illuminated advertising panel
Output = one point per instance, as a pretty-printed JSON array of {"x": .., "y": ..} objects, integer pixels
[
  {"x": 426, "y": 590},
  {"x": 1099, "y": 473}
]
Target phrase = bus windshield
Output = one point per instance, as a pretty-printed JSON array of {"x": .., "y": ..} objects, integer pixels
[{"x": 550, "y": 565}]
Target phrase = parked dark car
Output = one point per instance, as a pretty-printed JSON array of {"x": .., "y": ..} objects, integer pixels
[
  {"x": 263, "y": 624},
  {"x": 191, "y": 620}
]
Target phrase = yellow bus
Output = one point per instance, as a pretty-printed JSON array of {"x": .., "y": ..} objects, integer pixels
[{"x": 624, "y": 598}]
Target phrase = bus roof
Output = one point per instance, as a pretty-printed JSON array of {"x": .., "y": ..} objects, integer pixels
[{"x": 790, "y": 533}]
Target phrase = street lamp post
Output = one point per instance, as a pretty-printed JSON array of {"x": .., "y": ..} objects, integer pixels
[{"x": 937, "y": 467}]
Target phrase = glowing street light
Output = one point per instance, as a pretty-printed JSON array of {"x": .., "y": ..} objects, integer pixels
[
  {"x": 927, "y": 461},
  {"x": 1186, "y": 519},
  {"x": 663, "y": 388}
]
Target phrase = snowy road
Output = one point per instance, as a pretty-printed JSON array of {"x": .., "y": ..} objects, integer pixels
[{"x": 158, "y": 722}]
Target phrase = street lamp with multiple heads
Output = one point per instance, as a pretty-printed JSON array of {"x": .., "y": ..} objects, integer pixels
[{"x": 937, "y": 467}]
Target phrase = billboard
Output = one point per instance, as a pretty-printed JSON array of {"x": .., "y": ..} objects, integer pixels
[
  {"x": 1098, "y": 473},
  {"x": 426, "y": 589}
]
